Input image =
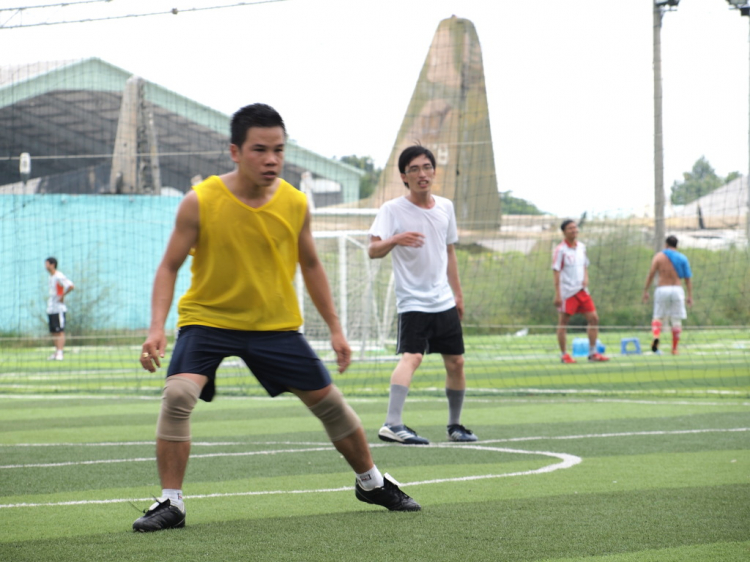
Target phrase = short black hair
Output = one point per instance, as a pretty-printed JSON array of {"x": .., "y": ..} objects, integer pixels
[
  {"x": 672, "y": 241},
  {"x": 255, "y": 115},
  {"x": 565, "y": 223},
  {"x": 412, "y": 152},
  {"x": 53, "y": 261}
]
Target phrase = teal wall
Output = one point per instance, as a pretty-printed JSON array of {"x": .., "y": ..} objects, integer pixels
[{"x": 108, "y": 245}]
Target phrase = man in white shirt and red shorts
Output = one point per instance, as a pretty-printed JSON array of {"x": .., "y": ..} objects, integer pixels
[{"x": 571, "y": 275}]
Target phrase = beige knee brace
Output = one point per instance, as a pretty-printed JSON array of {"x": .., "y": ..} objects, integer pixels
[
  {"x": 338, "y": 418},
  {"x": 177, "y": 401}
]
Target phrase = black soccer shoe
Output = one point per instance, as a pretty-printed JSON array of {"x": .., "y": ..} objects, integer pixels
[
  {"x": 161, "y": 515},
  {"x": 655, "y": 345},
  {"x": 457, "y": 432},
  {"x": 401, "y": 434},
  {"x": 389, "y": 496}
]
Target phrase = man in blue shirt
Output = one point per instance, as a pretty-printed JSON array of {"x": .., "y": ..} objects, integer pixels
[{"x": 672, "y": 268}]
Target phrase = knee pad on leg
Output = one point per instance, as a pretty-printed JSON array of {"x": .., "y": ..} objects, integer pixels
[
  {"x": 177, "y": 402},
  {"x": 337, "y": 417}
]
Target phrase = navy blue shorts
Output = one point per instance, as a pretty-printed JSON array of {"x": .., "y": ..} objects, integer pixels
[
  {"x": 279, "y": 360},
  {"x": 430, "y": 332}
]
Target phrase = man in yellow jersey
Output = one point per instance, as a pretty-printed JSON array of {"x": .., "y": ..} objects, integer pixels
[{"x": 248, "y": 229}]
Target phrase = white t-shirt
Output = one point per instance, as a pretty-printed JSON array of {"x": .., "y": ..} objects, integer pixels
[
  {"x": 58, "y": 284},
  {"x": 421, "y": 273},
  {"x": 571, "y": 262}
]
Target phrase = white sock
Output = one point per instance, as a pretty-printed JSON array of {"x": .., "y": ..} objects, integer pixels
[
  {"x": 174, "y": 496},
  {"x": 371, "y": 479}
]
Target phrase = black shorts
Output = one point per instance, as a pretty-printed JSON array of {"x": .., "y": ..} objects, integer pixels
[
  {"x": 56, "y": 322},
  {"x": 279, "y": 360},
  {"x": 430, "y": 332}
]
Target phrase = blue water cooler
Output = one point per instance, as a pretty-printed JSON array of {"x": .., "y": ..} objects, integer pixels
[{"x": 581, "y": 347}]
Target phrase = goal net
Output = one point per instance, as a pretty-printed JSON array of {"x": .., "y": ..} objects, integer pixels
[{"x": 93, "y": 163}]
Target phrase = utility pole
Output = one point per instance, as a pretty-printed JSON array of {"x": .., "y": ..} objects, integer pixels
[
  {"x": 744, "y": 8},
  {"x": 658, "y": 135},
  {"x": 660, "y": 6}
]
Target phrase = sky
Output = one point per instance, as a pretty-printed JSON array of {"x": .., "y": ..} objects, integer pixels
[{"x": 569, "y": 83}]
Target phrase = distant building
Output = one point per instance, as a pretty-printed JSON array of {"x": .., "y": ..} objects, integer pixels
[
  {"x": 724, "y": 207},
  {"x": 91, "y": 127}
]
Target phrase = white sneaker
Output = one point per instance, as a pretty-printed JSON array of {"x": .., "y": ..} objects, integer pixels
[{"x": 56, "y": 356}]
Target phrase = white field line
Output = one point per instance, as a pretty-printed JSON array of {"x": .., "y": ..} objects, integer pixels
[
  {"x": 608, "y": 435},
  {"x": 595, "y": 391},
  {"x": 577, "y": 400},
  {"x": 193, "y": 443},
  {"x": 151, "y": 459},
  {"x": 582, "y": 398},
  {"x": 567, "y": 461},
  {"x": 323, "y": 446}
]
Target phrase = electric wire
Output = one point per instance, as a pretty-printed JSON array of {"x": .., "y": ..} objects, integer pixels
[
  {"x": 173, "y": 11},
  {"x": 57, "y": 5}
]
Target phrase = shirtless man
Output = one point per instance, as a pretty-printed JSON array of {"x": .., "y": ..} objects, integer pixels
[{"x": 669, "y": 296}]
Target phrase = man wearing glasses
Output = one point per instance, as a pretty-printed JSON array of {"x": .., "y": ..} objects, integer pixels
[{"x": 419, "y": 231}]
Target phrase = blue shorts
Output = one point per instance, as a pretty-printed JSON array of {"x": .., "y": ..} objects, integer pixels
[
  {"x": 279, "y": 360},
  {"x": 430, "y": 332}
]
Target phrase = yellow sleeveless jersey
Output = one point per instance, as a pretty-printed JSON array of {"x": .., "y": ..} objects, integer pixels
[{"x": 245, "y": 261}]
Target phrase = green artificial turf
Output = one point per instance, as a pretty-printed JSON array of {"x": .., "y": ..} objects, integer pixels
[{"x": 660, "y": 480}]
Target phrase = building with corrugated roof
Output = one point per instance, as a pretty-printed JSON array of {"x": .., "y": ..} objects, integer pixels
[{"x": 68, "y": 116}]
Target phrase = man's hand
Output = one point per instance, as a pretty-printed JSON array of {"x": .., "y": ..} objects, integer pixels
[
  {"x": 460, "y": 307},
  {"x": 153, "y": 350},
  {"x": 343, "y": 351},
  {"x": 689, "y": 301},
  {"x": 558, "y": 301},
  {"x": 645, "y": 296},
  {"x": 412, "y": 239}
]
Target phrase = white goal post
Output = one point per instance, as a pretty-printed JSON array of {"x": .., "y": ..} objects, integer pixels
[{"x": 366, "y": 313}]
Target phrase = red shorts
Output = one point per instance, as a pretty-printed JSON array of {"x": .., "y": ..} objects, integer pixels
[{"x": 580, "y": 303}]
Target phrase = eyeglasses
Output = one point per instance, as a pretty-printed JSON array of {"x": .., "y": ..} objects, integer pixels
[{"x": 415, "y": 169}]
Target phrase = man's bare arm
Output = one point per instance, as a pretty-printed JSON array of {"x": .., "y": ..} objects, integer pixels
[
  {"x": 689, "y": 287},
  {"x": 558, "y": 295},
  {"x": 319, "y": 290},
  {"x": 650, "y": 277},
  {"x": 380, "y": 248},
  {"x": 183, "y": 238},
  {"x": 454, "y": 280},
  {"x": 67, "y": 291}
]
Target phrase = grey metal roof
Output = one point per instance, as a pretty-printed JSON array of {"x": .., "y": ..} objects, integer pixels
[{"x": 64, "y": 113}]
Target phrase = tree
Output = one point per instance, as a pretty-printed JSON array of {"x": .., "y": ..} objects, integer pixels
[
  {"x": 698, "y": 182},
  {"x": 732, "y": 176},
  {"x": 517, "y": 206},
  {"x": 369, "y": 181}
]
